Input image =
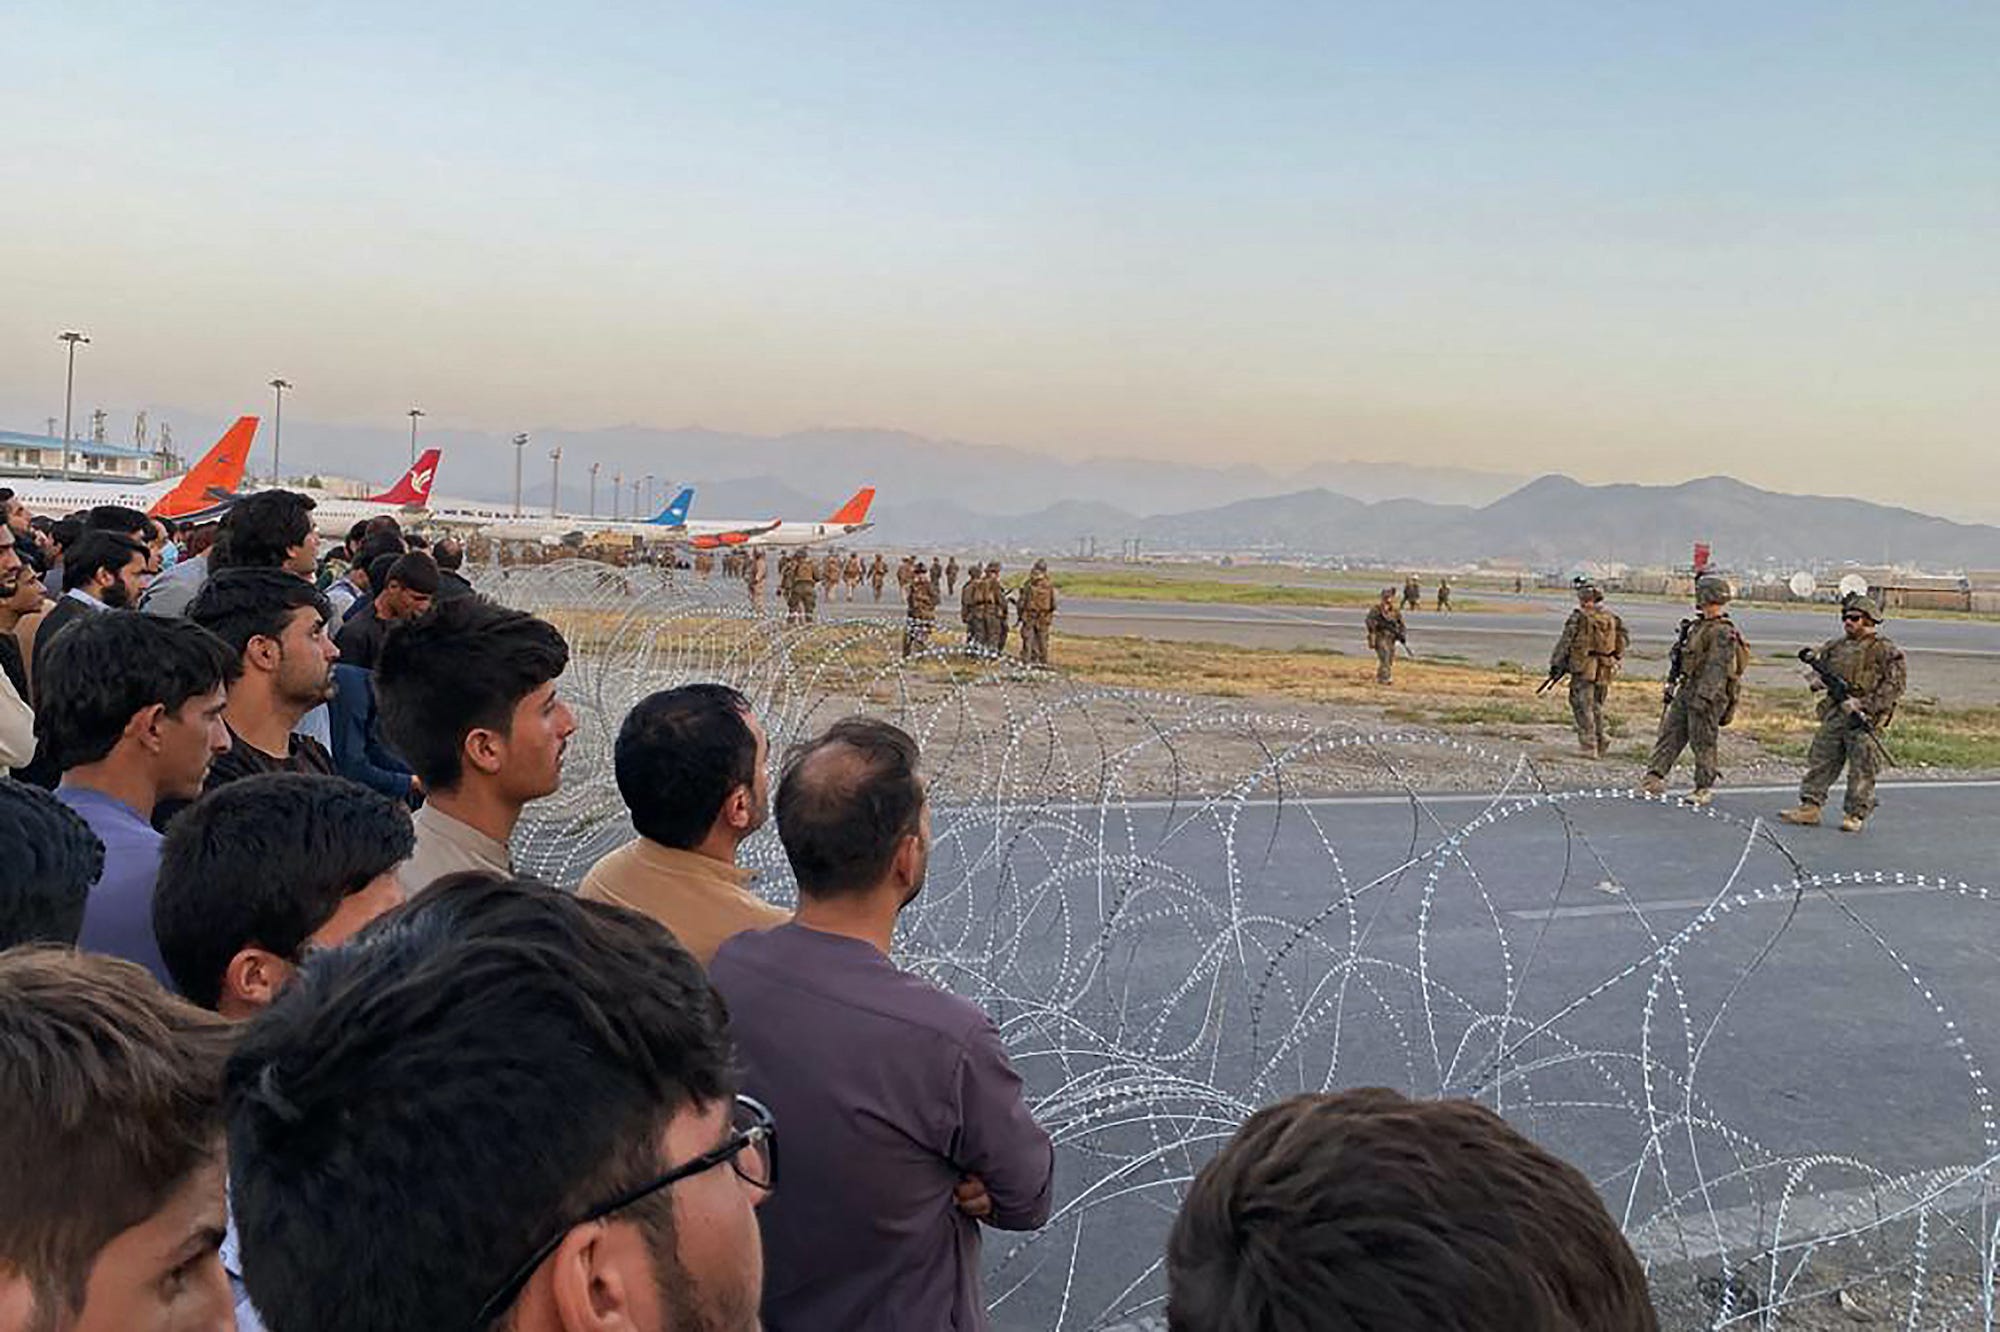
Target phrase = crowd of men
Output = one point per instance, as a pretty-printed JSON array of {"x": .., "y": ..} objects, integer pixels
[{"x": 277, "y": 1052}]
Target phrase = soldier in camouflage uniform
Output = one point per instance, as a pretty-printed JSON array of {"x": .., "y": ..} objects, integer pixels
[
  {"x": 937, "y": 573},
  {"x": 877, "y": 572},
  {"x": 972, "y": 612},
  {"x": 903, "y": 573},
  {"x": 851, "y": 574},
  {"x": 1701, "y": 695},
  {"x": 1036, "y": 612},
  {"x": 829, "y": 574},
  {"x": 704, "y": 564},
  {"x": 996, "y": 610},
  {"x": 754, "y": 576},
  {"x": 923, "y": 604},
  {"x": 1590, "y": 651},
  {"x": 1413, "y": 593},
  {"x": 1444, "y": 594},
  {"x": 1385, "y": 630},
  {"x": 951, "y": 577},
  {"x": 1872, "y": 669}
]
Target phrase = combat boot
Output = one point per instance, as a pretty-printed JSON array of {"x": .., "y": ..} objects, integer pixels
[
  {"x": 1653, "y": 786},
  {"x": 1700, "y": 796},
  {"x": 1589, "y": 751},
  {"x": 1851, "y": 823},
  {"x": 1806, "y": 816}
]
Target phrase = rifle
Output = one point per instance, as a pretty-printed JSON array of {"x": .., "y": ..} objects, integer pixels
[
  {"x": 1674, "y": 664},
  {"x": 1838, "y": 692},
  {"x": 1403, "y": 637},
  {"x": 1554, "y": 676}
]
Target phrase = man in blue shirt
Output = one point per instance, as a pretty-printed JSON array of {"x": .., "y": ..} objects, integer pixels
[{"x": 132, "y": 711}]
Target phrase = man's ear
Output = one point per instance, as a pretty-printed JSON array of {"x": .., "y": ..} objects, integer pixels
[
  {"x": 144, "y": 727},
  {"x": 263, "y": 652},
  {"x": 736, "y": 809},
  {"x": 484, "y": 750},
  {"x": 594, "y": 1275},
  {"x": 254, "y": 976}
]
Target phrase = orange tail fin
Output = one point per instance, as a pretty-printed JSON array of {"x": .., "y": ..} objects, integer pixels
[
  {"x": 856, "y": 509},
  {"x": 221, "y": 468},
  {"x": 415, "y": 486}
]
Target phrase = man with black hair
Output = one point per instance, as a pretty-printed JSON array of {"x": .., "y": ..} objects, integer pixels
[
  {"x": 111, "y": 1159},
  {"x": 259, "y": 873},
  {"x": 404, "y": 587},
  {"x": 691, "y": 766},
  {"x": 467, "y": 695},
  {"x": 449, "y": 552},
  {"x": 52, "y": 858},
  {"x": 17, "y": 719},
  {"x": 499, "y": 1009},
  {"x": 101, "y": 571},
  {"x": 276, "y": 624},
  {"x": 1367, "y": 1209},
  {"x": 118, "y": 518},
  {"x": 131, "y": 715},
  {"x": 905, "y": 1121},
  {"x": 272, "y": 529}
]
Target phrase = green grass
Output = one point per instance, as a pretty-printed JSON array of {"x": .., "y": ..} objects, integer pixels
[{"x": 1155, "y": 587}]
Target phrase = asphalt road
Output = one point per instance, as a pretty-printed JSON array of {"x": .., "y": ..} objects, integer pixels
[
  {"x": 1164, "y": 970},
  {"x": 1955, "y": 661}
]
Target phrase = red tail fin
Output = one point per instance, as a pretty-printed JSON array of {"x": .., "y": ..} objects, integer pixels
[
  {"x": 415, "y": 487},
  {"x": 856, "y": 509},
  {"x": 221, "y": 468}
]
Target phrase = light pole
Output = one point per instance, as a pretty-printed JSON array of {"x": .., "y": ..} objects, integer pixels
[
  {"x": 617, "y": 488},
  {"x": 649, "y": 495},
  {"x": 555, "y": 479},
  {"x": 69, "y": 391},
  {"x": 278, "y": 387},
  {"x": 520, "y": 443},
  {"x": 636, "y": 515},
  {"x": 593, "y": 490},
  {"x": 414, "y": 413}
]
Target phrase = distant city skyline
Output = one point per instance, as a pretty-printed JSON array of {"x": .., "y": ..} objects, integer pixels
[{"x": 1626, "y": 245}]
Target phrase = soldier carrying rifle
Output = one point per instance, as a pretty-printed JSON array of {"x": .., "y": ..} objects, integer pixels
[
  {"x": 1385, "y": 630},
  {"x": 1704, "y": 681},
  {"x": 1590, "y": 651},
  {"x": 1861, "y": 677}
]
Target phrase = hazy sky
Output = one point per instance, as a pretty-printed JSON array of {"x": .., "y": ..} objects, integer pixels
[{"x": 1632, "y": 241}]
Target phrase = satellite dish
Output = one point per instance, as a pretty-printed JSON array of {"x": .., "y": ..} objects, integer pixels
[
  {"x": 1853, "y": 585},
  {"x": 1802, "y": 585}
]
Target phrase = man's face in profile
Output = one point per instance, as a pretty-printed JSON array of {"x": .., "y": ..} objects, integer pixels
[{"x": 165, "y": 1273}]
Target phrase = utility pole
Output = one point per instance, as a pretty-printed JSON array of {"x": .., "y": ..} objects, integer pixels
[
  {"x": 617, "y": 489},
  {"x": 520, "y": 443},
  {"x": 97, "y": 419},
  {"x": 555, "y": 479},
  {"x": 278, "y": 387},
  {"x": 593, "y": 489},
  {"x": 636, "y": 515},
  {"x": 649, "y": 497},
  {"x": 69, "y": 391},
  {"x": 414, "y": 413}
]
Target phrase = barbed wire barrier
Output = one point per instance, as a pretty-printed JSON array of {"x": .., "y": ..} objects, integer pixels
[{"x": 1180, "y": 910}]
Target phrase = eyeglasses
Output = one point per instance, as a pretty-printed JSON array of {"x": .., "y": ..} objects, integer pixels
[
  {"x": 1854, "y": 617},
  {"x": 751, "y": 1151}
]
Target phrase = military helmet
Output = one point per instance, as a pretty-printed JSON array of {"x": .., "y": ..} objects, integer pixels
[
  {"x": 992, "y": 566},
  {"x": 1583, "y": 587},
  {"x": 1388, "y": 594},
  {"x": 1856, "y": 601},
  {"x": 1041, "y": 566},
  {"x": 1711, "y": 591}
]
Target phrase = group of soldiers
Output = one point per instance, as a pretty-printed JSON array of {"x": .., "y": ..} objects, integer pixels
[
  {"x": 1413, "y": 593},
  {"x": 1859, "y": 676}
]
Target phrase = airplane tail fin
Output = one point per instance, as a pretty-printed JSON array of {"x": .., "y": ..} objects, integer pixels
[
  {"x": 856, "y": 509},
  {"x": 676, "y": 513},
  {"x": 415, "y": 485},
  {"x": 221, "y": 468}
]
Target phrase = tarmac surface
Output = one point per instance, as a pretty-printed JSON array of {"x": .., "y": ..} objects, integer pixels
[{"x": 1821, "y": 1013}]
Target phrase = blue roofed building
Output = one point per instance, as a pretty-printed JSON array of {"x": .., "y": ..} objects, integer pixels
[{"x": 42, "y": 455}]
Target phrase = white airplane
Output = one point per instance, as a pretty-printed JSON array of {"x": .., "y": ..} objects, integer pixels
[
  {"x": 669, "y": 526},
  {"x": 408, "y": 499},
  {"x": 194, "y": 494},
  {"x": 848, "y": 519}
]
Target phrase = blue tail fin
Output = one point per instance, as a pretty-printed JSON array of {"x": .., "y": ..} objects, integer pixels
[{"x": 675, "y": 513}]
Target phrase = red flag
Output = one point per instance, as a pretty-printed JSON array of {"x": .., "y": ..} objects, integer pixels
[{"x": 1700, "y": 556}]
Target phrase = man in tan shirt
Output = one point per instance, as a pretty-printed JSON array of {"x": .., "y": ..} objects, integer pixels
[{"x": 690, "y": 764}]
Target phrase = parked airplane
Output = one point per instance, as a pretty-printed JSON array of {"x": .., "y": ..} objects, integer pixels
[
  {"x": 848, "y": 519},
  {"x": 670, "y": 525},
  {"x": 408, "y": 498},
  {"x": 190, "y": 496}
]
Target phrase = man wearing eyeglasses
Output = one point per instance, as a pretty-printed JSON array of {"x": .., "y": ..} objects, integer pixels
[
  {"x": 1871, "y": 668},
  {"x": 499, "y": 1107},
  {"x": 907, "y": 1128}
]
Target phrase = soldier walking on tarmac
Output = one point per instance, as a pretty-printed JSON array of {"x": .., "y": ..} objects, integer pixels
[
  {"x": 1385, "y": 630},
  {"x": 951, "y": 577},
  {"x": 1413, "y": 593},
  {"x": 1704, "y": 680},
  {"x": 805, "y": 577},
  {"x": 878, "y": 571},
  {"x": 972, "y": 611},
  {"x": 994, "y": 604},
  {"x": 850, "y": 574},
  {"x": 903, "y": 572},
  {"x": 754, "y": 576},
  {"x": 1870, "y": 675},
  {"x": 1590, "y": 651},
  {"x": 923, "y": 605},
  {"x": 1037, "y": 611},
  {"x": 1444, "y": 594}
]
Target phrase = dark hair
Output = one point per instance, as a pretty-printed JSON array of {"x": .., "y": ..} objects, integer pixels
[
  {"x": 460, "y": 668},
  {"x": 1365, "y": 1209},
  {"x": 845, "y": 802},
  {"x": 96, "y": 552},
  {"x": 260, "y": 530},
  {"x": 417, "y": 541},
  {"x": 355, "y": 533},
  {"x": 52, "y": 859},
  {"x": 113, "y": 1089},
  {"x": 237, "y": 605},
  {"x": 523, "y": 1004},
  {"x": 375, "y": 547},
  {"x": 116, "y": 518},
  {"x": 679, "y": 754},
  {"x": 449, "y": 552},
  {"x": 267, "y": 860},
  {"x": 416, "y": 571},
  {"x": 64, "y": 532},
  {"x": 103, "y": 668}
]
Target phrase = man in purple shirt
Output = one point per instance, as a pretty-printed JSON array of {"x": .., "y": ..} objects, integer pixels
[
  {"x": 132, "y": 710},
  {"x": 904, "y": 1121}
]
